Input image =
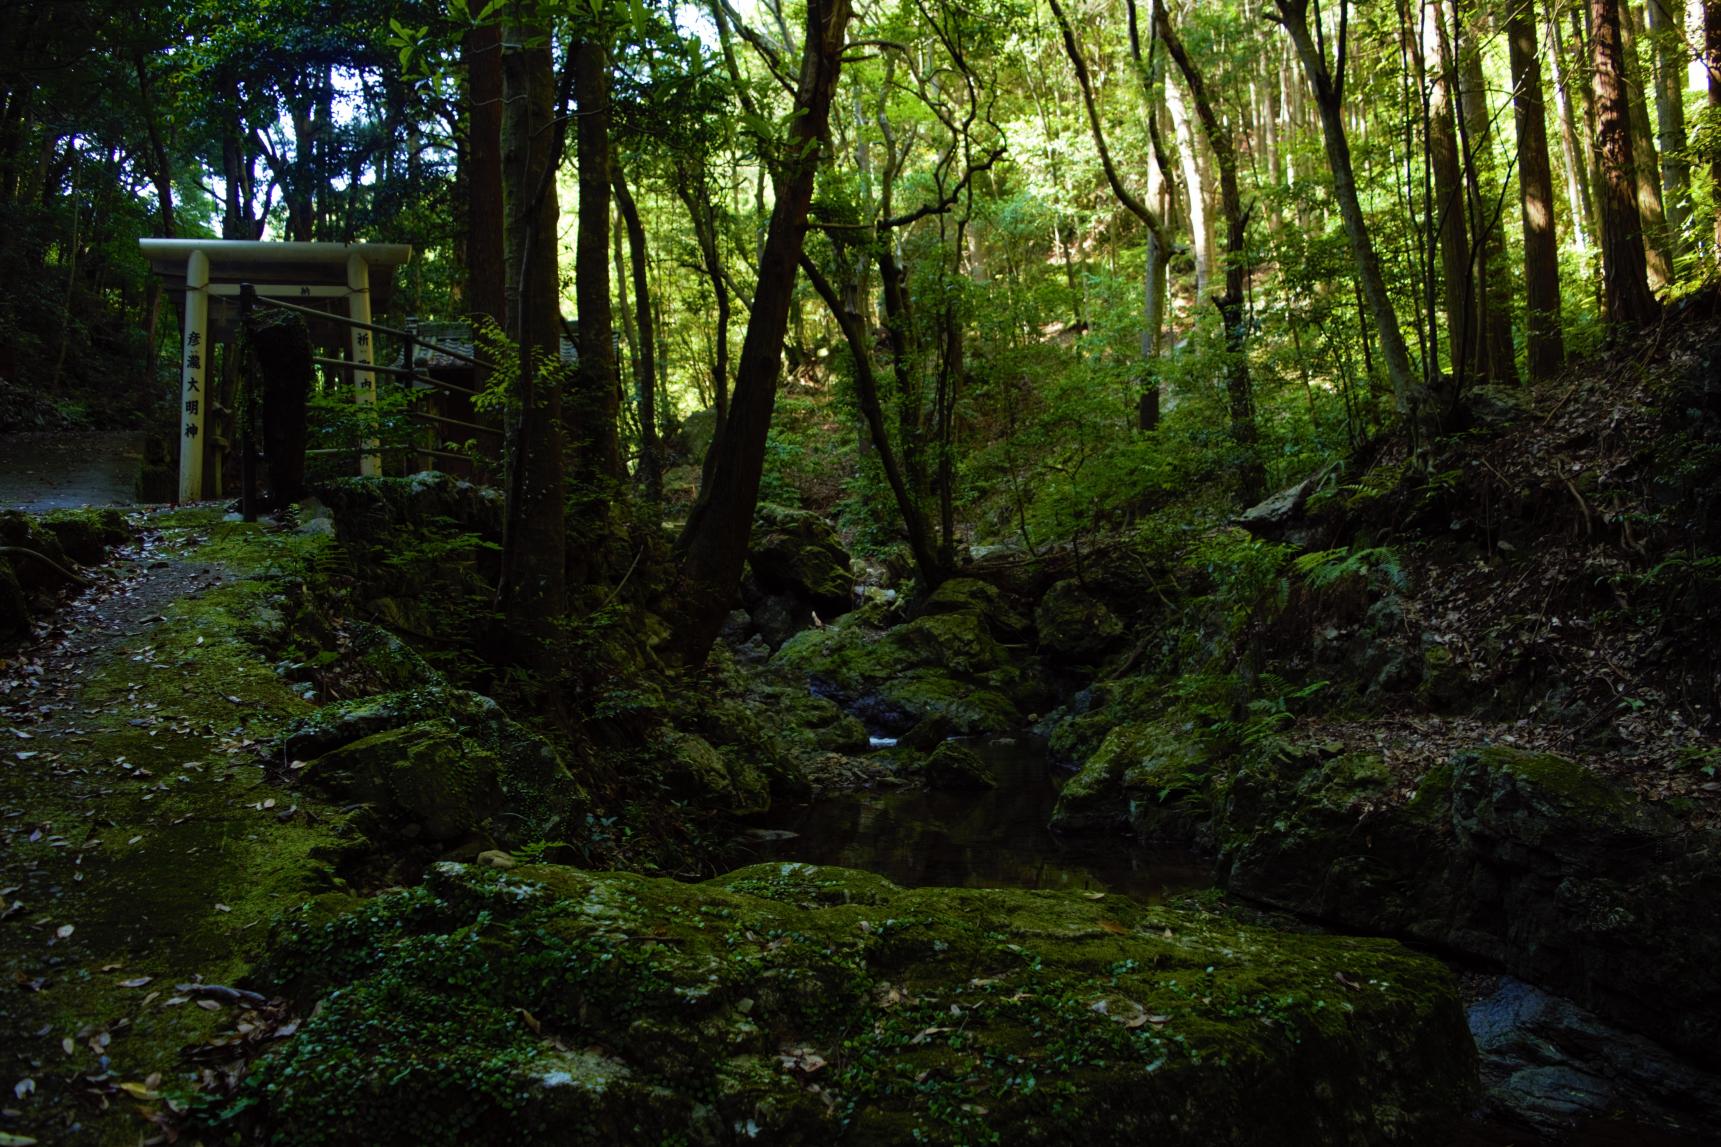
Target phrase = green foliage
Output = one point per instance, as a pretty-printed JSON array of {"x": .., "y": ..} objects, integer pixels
[{"x": 1323, "y": 569}]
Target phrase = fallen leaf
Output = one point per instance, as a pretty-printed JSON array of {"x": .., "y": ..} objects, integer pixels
[
  {"x": 7, "y": 1139},
  {"x": 23, "y": 1087},
  {"x": 63, "y": 931},
  {"x": 136, "y": 982},
  {"x": 68, "y": 1045},
  {"x": 139, "y": 1091},
  {"x": 209, "y": 1005},
  {"x": 1114, "y": 927}
]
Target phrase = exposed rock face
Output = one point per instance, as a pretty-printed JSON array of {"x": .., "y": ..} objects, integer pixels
[
  {"x": 795, "y": 552},
  {"x": 1547, "y": 1065},
  {"x": 791, "y": 1004},
  {"x": 402, "y": 749},
  {"x": 1522, "y": 859},
  {"x": 1074, "y": 625},
  {"x": 948, "y": 661},
  {"x": 699, "y": 772},
  {"x": 957, "y": 768},
  {"x": 1148, "y": 776}
]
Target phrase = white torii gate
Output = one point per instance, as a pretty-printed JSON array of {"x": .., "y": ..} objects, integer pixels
[{"x": 302, "y": 271}]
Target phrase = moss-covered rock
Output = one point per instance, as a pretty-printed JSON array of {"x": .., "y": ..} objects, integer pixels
[
  {"x": 1527, "y": 860},
  {"x": 1074, "y": 625},
  {"x": 948, "y": 663},
  {"x": 426, "y": 778},
  {"x": 27, "y": 532},
  {"x": 1148, "y": 775},
  {"x": 541, "y": 798},
  {"x": 86, "y": 535},
  {"x": 697, "y": 771},
  {"x": 791, "y": 1004},
  {"x": 956, "y": 768},
  {"x": 795, "y": 552}
]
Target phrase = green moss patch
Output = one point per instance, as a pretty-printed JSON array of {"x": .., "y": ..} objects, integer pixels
[{"x": 794, "y": 1004}]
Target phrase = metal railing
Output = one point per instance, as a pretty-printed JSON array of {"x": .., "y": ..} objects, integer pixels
[{"x": 412, "y": 342}]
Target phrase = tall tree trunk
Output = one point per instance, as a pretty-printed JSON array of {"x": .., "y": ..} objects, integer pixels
[
  {"x": 1239, "y": 392},
  {"x": 1576, "y": 163},
  {"x": 1656, "y": 250},
  {"x": 1486, "y": 210},
  {"x": 160, "y": 167},
  {"x": 1625, "y": 292},
  {"x": 595, "y": 402},
  {"x": 645, "y": 356},
  {"x": 486, "y": 293},
  {"x": 533, "y": 589},
  {"x": 1546, "y": 345},
  {"x": 1200, "y": 222},
  {"x": 1712, "y": 65},
  {"x": 1409, "y": 392},
  {"x": 1667, "y": 42},
  {"x": 713, "y": 544},
  {"x": 1464, "y": 350}
]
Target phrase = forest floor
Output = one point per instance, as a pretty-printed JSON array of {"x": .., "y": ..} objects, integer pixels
[
  {"x": 1555, "y": 585},
  {"x": 145, "y": 848}
]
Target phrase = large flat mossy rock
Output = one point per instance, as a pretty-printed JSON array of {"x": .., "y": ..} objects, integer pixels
[
  {"x": 790, "y": 1004},
  {"x": 425, "y": 775},
  {"x": 948, "y": 662},
  {"x": 1527, "y": 860}
]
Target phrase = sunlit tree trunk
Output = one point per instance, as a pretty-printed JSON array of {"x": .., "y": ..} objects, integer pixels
[
  {"x": 594, "y": 402},
  {"x": 1545, "y": 342},
  {"x": 1577, "y": 166},
  {"x": 1663, "y": 20},
  {"x": 1327, "y": 84},
  {"x": 1647, "y": 173},
  {"x": 1464, "y": 351},
  {"x": 1486, "y": 211}
]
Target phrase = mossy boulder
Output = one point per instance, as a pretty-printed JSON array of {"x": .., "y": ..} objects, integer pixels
[
  {"x": 426, "y": 779},
  {"x": 26, "y": 531},
  {"x": 952, "y": 767},
  {"x": 694, "y": 769},
  {"x": 797, "y": 553},
  {"x": 982, "y": 598},
  {"x": 948, "y": 663},
  {"x": 791, "y": 1004},
  {"x": 1148, "y": 775},
  {"x": 1527, "y": 860},
  {"x": 368, "y": 509},
  {"x": 86, "y": 535},
  {"x": 541, "y": 798},
  {"x": 1074, "y": 625}
]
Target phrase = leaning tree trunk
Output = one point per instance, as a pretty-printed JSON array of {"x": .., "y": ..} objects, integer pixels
[
  {"x": 1626, "y": 298},
  {"x": 1656, "y": 251},
  {"x": 533, "y": 589},
  {"x": 1410, "y": 394},
  {"x": 713, "y": 545},
  {"x": 1238, "y": 390},
  {"x": 645, "y": 359},
  {"x": 1546, "y": 345}
]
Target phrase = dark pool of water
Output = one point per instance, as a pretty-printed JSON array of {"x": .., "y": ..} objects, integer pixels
[{"x": 993, "y": 839}]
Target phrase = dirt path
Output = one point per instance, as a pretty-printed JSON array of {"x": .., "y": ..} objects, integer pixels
[
  {"x": 143, "y": 848},
  {"x": 53, "y": 470}
]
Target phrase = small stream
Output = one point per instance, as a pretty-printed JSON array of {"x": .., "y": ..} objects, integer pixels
[{"x": 992, "y": 839}]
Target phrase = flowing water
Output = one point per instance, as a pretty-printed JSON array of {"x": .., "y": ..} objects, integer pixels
[{"x": 992, "y": 839}]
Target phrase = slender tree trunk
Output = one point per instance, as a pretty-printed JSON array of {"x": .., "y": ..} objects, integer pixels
[
  {"x": 486, "y": 293},
  {"x": 1464, "y": 350},
  {"x": 533, "y": 590},
  {"x": 594, "y": 404},
  {"x": 703, "y": 215},
  {"x": 1626, "y": 296},
  {"x": 909, "y": 505},
  {"x": 645, "y": 357},
  {"x": 1667, "y": 41},
  {"x": 1571, "y": 140},
  {"x": 1409, "y": 392},
  {"x": 1712, "y": 65},
  {"x": 1239, "y": 392},
  {"x": 1486, "y": 210},
  {"x": 1647, "y": 176},
  {"x": 713, "y": 544},
  {"x": 1200, "y": 223},
  {"x": 1545, "y": 342}
]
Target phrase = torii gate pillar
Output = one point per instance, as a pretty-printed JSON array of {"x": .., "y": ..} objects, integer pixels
[{"x": 191, "y": 379}]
